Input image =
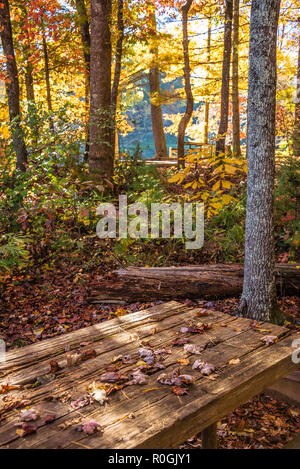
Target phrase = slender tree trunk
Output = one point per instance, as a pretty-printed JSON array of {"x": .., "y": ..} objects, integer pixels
[
  {"x": 161, "y": 152},
  {"x": 86, "y": 46},
  {"x": 188, "y": 89},
  {"x": 101, "y": 153},
  {"x": 207, "y": 103},
  {"x": 12, "y": 86},
  {"x": 117, "y": 74},
  {"x": 85, "y": 33},
  {"x": 236, "y": 123},
  {"x": 47, "y": 78},
  {"x": 29, "y": 81},
  {"x": 258, "y": 299},
  {"x": 223, "y": 128},
  {"x": 296, "y": 143}
]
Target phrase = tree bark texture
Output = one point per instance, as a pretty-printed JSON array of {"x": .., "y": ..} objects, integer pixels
[
  {"x": 296, "y": 142},
  {"x": 12, "y": 87},
  {"x": 223, "y": 127},
  {"x": 117, "y": 74},
  {"x": 236, "y": 124},
  {"x": 101, "y": 153},
  {"x": 161, "y": 151},
  {"x": 86, "y": 46},
  {"x": 206, "y": 281},
  {"x": 207, "y": 103},
  {"x": 188, "y": 88},
  {"x": 258, "y": 299}
]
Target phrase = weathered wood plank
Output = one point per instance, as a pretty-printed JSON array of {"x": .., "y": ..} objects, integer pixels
[
  {"x": 56, "y": 345},
  {"x": 138, "y": 405}
]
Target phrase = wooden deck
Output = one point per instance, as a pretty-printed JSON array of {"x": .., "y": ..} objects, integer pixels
[{"x": 139, "y": 416}]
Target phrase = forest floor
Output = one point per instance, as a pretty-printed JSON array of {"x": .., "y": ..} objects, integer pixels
[{"x": 33, "y": 309}]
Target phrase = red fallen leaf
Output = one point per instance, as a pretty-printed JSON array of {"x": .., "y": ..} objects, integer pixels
[
  {"x": 88, "y": 354},
  {"x": 181, "y": 341},
  {"x": 26, "y": 429},
  {"x": 49, "y": 418},
  {"x": 112, "y": 377},
  {"x": 90, "y": 427},
  {"x": 81, "y": 402},
  {"x": 179, "y": 391},
  {"x": 54, "y": 367}
]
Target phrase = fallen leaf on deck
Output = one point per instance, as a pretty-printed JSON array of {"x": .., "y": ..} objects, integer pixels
[
  {"x": 49, "y": 418},
  {"x": 181, "y": 341},
  {"x": 174, "y": 378},
  {"x": 97, "y": 393},
  {"x": 194, "y": 349},
  {"x": 4, "y": 388},
  {"x": 29, "y": 415},
  {"x": 183, "y": 361},
  {"x": 147, "y": 355},
  {"x": 81, "y": 402},
  {"x": 269, "y": 339},
  {"x": 88, "y": 354},
  {"x": 26, "y": 429},
  {"x": 54, "y": 367},
  {"x": 112, "y": 377},
  {"x": 128, "y": 360},
  {"x": 235, "y": 361},
  {"x": 138, "y": 378},
  {"x": 90, "y": 427},
  {"x": 206, "y": 369},
  {"x": 179, "y": 391}
]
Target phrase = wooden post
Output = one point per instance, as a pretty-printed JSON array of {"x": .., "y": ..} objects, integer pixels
[{"x": 209, "y": 437}]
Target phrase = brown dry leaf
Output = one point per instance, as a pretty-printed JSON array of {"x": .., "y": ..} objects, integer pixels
[
  {"x": 183, "y": 361},
  {"x": 4, "y": 388},
  {"x": 235, "y": 361},
  {"x": 269, "y": 339}
]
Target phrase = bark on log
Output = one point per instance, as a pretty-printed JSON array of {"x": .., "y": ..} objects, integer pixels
[{"x": 205, "y": 281}]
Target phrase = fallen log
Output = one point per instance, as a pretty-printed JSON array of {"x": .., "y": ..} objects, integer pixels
[{"x": 205, "y": 281}]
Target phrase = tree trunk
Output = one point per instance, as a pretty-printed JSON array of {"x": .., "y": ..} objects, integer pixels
[
  {"x": 47, "y": 78},
  {"x": 236, "y": 124},
  {"x": 223, "y": 128},
  {"x": 258, "y": 299},
  {"x": 12, "y": 86},
  {"x": 101, "y": 153},
  {"x": 165, "y": 283},
  {"x": 207, "y": 103},
  {"x": 296, "y": 143},
  {"x": 86, "y": 45},
  {"x": 117, "y": 74},
  {"x": 29, "y": 78},
  {"x": 85, "y": 33},
  {"x": 161, "y": 152},
  {"x": 188, "y": 89}
]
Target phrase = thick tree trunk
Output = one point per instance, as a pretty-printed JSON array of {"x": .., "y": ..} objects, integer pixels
[
  {"x": 101, "y": 153},
  {"x": 205, "y": 281},
  {"x": 161, "y": 152},
  {"x": 86, "y": 45},
  {"x": 117, "y": 74},
  {"x": 12, "y": 86},
  {"x": 296, "y": 143},
  {"x": 223, "y": 128},
  {"x": 207, "y": 103},
  {"x": 258, "y": 299},
  {"x": 47, "y": 79},
  {"x": 188, "y": 89},
  {"x": 236, "y": 124}
]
